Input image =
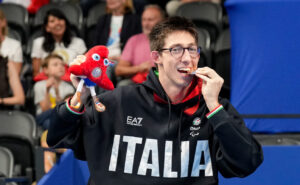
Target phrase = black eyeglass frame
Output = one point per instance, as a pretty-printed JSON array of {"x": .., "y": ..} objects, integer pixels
[{"x": 187, "y": 48}]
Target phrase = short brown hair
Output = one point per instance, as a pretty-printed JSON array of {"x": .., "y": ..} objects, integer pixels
[
  {"x": 161, "y": 30},
  {"x": 46, "y": 60}
]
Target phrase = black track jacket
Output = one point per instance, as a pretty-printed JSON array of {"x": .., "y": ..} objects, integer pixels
[{"x": 143, "y": 139}]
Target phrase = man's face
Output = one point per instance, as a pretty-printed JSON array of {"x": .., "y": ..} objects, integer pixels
[
  {"x": 172, "y": 70},
  {"x": 150, "y": 18}
]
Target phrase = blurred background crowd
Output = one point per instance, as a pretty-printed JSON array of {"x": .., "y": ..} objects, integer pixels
[{"x": 39, "y": 38}]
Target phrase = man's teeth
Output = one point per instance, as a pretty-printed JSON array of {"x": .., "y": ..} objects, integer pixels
[{"x": 186, "y": 70}]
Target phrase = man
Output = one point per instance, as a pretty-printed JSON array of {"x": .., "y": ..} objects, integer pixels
[
  {"x": 135, "y": 58},
  {"x": 172, "y": 129}
]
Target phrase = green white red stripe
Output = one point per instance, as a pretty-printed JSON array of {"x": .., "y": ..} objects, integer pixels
[
  {"x": 73, "y": 110},
  {"x": 214, "y": 111}
]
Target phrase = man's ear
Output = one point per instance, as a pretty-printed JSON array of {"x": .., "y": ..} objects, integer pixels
[{"x": 155, "y": 56}]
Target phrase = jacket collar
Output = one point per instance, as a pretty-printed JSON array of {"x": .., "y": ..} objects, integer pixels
[{"x": 191, "y": 101}]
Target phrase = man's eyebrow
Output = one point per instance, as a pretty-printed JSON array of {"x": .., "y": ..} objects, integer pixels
[{"x": 176, "y": 45}]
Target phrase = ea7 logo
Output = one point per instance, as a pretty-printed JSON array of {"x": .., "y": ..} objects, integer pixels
[{"x": 134, "y": 121}]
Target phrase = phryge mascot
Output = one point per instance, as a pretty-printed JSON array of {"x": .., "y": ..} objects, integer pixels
[{"x": 92, "y": 72}]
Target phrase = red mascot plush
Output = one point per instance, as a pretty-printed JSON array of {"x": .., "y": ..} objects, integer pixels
[{"x": 93, "y": 72}]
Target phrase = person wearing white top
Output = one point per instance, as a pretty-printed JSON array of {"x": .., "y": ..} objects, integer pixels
[
  {"x": 114, "y": 44},
  {"x": 76, "y": 47},
  {"x": 9, "y": 47},
  {"x": 57, "y": 38}
]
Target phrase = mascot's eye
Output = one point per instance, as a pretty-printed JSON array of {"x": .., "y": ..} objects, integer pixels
[
  {"x": 96, "y": 57},
  {"x": 106, "y": 62}
]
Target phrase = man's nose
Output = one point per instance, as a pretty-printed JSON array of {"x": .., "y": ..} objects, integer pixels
[{"x": 186, "y": 55}]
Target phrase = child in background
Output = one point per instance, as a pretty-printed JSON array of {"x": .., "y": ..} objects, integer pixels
[{"x": 47, "y": 93}]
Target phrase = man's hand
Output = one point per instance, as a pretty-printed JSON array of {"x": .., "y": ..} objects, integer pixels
[
  {"x": 75, "y": 81},
  {"x": 211, "y": 87},
  {"x": 77, "y": 61}
]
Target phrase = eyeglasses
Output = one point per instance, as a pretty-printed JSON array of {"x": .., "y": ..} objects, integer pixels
[{"x": 178, "y": 51}]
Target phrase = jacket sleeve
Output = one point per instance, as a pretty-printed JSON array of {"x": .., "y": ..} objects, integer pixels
[
  {"x": 238, "y": 154},
  {"x": 65, "y": 130}
]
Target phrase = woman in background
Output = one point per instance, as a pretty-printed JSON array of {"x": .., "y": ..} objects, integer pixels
[
  {"x": 117, "y": 26},
  {"x": 11, "y": 58},
  {"x": 11, "y": 90},
  {"x": 57, "y": 38},
  {"x": 10, "y": 47}
]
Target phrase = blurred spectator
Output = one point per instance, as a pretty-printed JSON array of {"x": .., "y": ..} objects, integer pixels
[
  {"x": 135, "y": 57},
  {"x": 87, "y": 4},
  {"x": 50, "y": 157},
  {"x": 47, "y": 93},
  {"x": 173, "y": 5},
  {"x": 35, "y": 5},
  {"x": 57, "y": 38},
  {"x": 10, "y": 84},
  {"x": 139, "y": 6},
  {"x": 24, "y": 3},
  {"x": 9, "y": 47},
  {"x": 43, "y": 119},
  {"x": 32, "y": 6},
  {"x": 161, "y": 3},
  {"x": 117, "y": 26}
]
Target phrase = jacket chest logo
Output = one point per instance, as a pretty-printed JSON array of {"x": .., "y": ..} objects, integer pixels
[
  {"x": 195, "y": 128},
  {"x": 134, "y": 121}
]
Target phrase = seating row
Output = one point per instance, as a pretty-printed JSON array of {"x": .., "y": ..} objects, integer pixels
[
  {"x": 205, "y": 15},
  {"x": 22, "y": 26},
  {"x": 18, "y": 138}
]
